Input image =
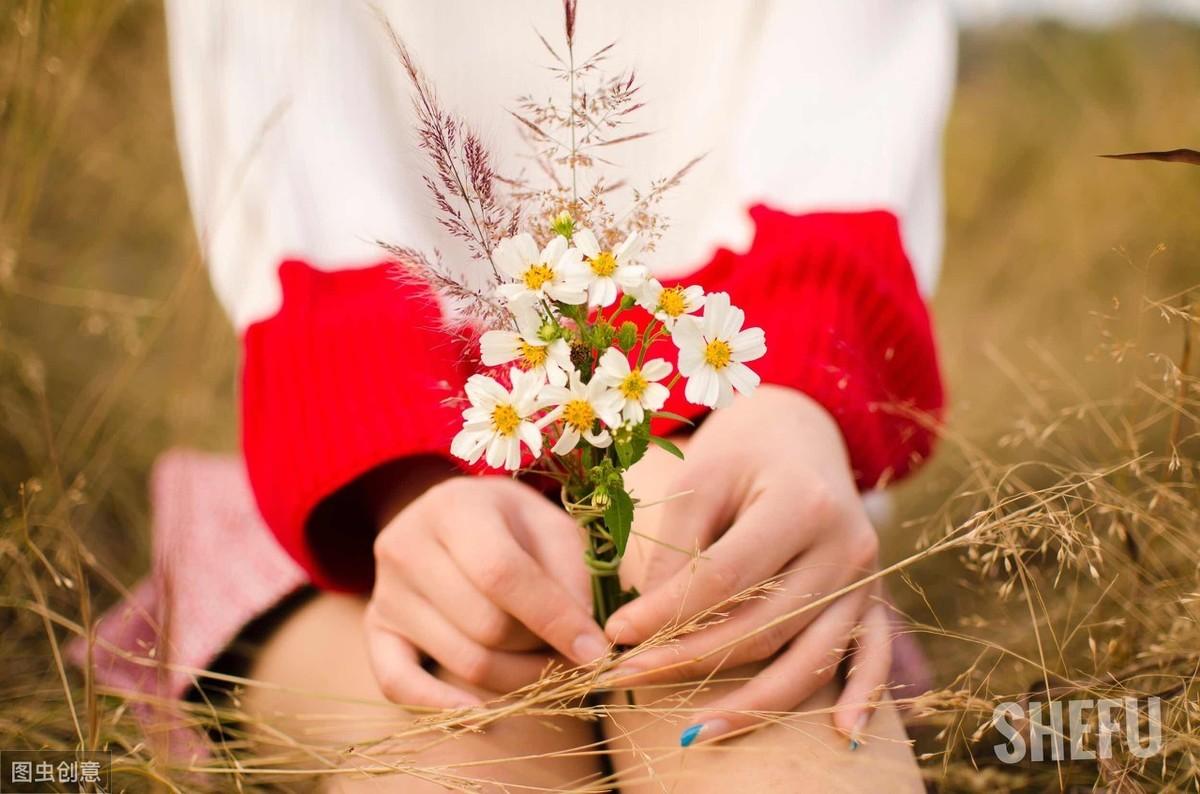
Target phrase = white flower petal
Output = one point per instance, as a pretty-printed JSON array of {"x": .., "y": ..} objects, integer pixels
[
  {"x": 614, "y": 364},
  {"x": 532, "y": 437},
  {"x": 691, "y": 358},
  {"x": 497, "y": 451},
  {"x": 599, "y": 440},
  {"x": 655, "y": 396},
  {"x": 508, "y": 258},
  {"x": 526, "y": 386},
  {"x": 554, "y": 395},
  {"x": 608, "y": 408},
  {"x": 631, "y": 278},
  {"x": 602, "y": 292},
  {"x": 469, "y": 445},
  {"x": 656, "y": 369},
  {"x": 586, "y": 242},
  {"x": 555, "y": 374},
  {"x": 741, "y": 377},
  {"x": 569, "y": 294},
  {"x": 634, "y": 412},
  {"x": 716, "y": 310},
  {"x": 485, "y": 392},
  {"x": 499, "y": 347},
  {"x": 724, "y": 392},
  {"x": 527, "y": 250},
  {"x": 512, "y": 293},
  {"x": 647, "y": 296},
  {"x": 554, "y": 250},
  {"x": 748, "y": 345},
  {"x": 628, "y": 250},
  {"x": 734, "y": 319},
  {"x": 703, "y": 388},
  {"x": 686, "y": 333},
  {"x": 512, "y": 455},
  {"x": 566, "y": 442}
]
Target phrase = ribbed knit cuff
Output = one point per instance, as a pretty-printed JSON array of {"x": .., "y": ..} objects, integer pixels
[
  {"x": 353, "y": 372},
  {"x": 845, "y": 324}
]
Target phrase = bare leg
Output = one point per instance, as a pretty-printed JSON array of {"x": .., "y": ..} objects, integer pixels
[
  {"x": 321, "y": 691},
  {"x": 800, "y": 753}
]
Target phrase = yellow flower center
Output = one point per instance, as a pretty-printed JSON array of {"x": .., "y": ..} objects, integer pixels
[
  {"x": 673, "y": 302},
  {"x": 533, "y": 356},
  {"x": 537, "y": 275},
  {"x": 579, "y": 415},
  {"x": 717, "y": 354},
  {"x": 603, "y": 264},
  {"x": 634, "y": 385},
  {"x": 505, "y": 419}
]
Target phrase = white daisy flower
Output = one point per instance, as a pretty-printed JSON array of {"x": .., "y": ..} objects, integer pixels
[
  {"x": 713, "y": 350},
  {"x": 497, "y": 423},
  {"x": 556, "y": 272},
  {"x": 638, "y": 387},
  {"x": 610, "y": 270},
  {"x": 579, "y": 406},
  {"x": 668, "y": 304},
  {"x": 525, "y": 347}
]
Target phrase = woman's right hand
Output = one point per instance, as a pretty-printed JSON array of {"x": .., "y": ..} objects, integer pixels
[{"x": 479, "y": 574}]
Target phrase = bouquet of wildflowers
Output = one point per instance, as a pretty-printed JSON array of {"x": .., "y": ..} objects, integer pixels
[{"x": 569, "y": 387}]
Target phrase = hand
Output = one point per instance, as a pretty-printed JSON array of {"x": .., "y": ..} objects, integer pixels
[
  {"x": 479, "y": 573},
  {"x": 772, "y": 498}
]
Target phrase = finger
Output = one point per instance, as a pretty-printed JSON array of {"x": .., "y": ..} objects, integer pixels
[
  {"x": 808, "y": 664},
  {"x": 697, "y": 517},
  {"x": 438, "y": 579},
  {"x": 553, "y": 538},
  {"x": 415, "y": 619},
  {"x": 755, "y": 631},
  {"x": 749, "y": 553},
  {"x": 872, "y": 665},
  {"x": 401, "y": 678},
  {"x": 514, "y": 581}
]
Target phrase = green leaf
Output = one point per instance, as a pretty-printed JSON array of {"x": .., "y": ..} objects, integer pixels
[
  {"x": 639, "y": 442},
  {"x": 672, "y": 416},
  {"x": 631, "y": 445},
  {"x": 618, "y": 518},
  {"x": 669, "y": 446}
]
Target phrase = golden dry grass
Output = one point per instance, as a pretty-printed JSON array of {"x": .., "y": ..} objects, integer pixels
[{"x": 1070, "y": 445}]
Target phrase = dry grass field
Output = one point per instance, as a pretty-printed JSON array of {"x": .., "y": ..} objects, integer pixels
[{"x": 1066, "y": 481}]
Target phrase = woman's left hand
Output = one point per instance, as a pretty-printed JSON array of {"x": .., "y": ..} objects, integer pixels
[{"x": 772, "y": 497}]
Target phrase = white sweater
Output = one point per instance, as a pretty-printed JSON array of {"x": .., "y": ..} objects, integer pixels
[{"x": 297, "y": 139}]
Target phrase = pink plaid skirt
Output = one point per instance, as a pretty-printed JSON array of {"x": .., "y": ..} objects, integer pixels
[{"x": 216, "y": 567}]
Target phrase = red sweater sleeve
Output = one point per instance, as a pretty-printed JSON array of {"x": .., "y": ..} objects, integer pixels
[
  {"x": 354, "y": 371},
  {"x": 845, "y": 324}
]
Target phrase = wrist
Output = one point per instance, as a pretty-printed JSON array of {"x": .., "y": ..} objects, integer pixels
[{"x": 388, "y": 489}]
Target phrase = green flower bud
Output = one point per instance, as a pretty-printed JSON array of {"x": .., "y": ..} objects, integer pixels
[
  {"x": 627, "y": 336},
  {"x": 563, "y": 224},
  {"x": 627, "y": 302},
  {"x": 600, "y": 498},
  {"x": 549, "y": 331},
  {"x": 602, "y": 334}
]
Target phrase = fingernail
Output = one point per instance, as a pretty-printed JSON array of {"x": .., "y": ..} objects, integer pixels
[
  {"x": 588, "y": 648},
  {"x": 857, "y": 732},
  {"x": 710, "y": 729},
  {"x": 616, "y": 630},
  {"x": 689, "y": 734}
]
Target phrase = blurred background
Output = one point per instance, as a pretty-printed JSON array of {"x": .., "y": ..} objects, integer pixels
[{"x": 1056, "y": 343}]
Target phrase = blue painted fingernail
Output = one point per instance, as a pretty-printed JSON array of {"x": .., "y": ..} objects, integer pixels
[
  {"x": 854, "y": 745},
  {"x": 689, "y": 734}
]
